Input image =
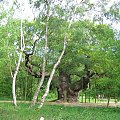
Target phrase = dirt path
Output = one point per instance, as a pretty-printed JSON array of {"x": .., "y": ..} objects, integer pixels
[
  {"x": 86, "y": 104},
  {"x": 112, "y": 104}
]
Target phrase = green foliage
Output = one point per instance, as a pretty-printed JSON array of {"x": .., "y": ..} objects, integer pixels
[
  {"x": 108, "y": 86},
  {"x": 8, "y": 54},
  {"x": 114, "y": 12},
  {"x": 88, "y": 44}
]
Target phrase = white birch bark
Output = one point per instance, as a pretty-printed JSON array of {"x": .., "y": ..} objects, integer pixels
[
  {"x": 18, "y": 65},
  {"x": 52, "y": 74},
  {"x": 57, "y": 63},
  {"x": 42, "y": 118},
  {"x": 14, "y": 80},
  {"x": 44, "y": 63}
]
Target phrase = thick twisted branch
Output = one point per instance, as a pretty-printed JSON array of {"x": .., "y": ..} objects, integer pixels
[{"x": 29, "y": 65}]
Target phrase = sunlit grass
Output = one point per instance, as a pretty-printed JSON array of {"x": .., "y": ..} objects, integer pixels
[{"x": 54, "y": 112}]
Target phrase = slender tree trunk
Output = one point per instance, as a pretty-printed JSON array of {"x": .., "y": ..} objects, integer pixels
[
  {"x": 108, "y": 101},
  {"x": 89, "y": 93},
  {"x": 18, "y": 64},
  {"x": 89, "y": 98},
  {"x": 82, "y": 92},
  {"x": 82, "y": 96},
  {"x": 116, "y": 100},
  {"x": 95, "y": 91},
  {"x": 37, "y": 92},
  {"x": 52, "y": 74},
  {"x": 44, "y": 63},
  {"x": 14, "y": 80},
  {"x": 57, "y": 63},
  {"x": 85, "y": 98},
  {"x": 25, "y": 97},
  {"x": 108, "y": 97}
]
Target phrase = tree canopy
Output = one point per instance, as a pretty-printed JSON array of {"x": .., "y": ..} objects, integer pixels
[{"x": 91, "y": 56}]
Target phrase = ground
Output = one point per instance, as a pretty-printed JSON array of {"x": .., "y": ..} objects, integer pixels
[
  {"x": 58, "y": 111},
  {"x": 112, "y": 104}
]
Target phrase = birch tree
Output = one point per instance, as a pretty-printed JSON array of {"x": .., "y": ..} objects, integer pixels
[
  {"x": 58, "y": 62},
  {"x": 22, "y": 46},
  {"x": 44, "y": 58}
]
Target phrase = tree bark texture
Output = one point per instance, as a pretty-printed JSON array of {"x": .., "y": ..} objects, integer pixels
[
  {"x": 22, "y": 46},
  {"x": 44, "y": 62},
  {"x": 67, "y": 91},
  {"x": 52, "y": 74}
]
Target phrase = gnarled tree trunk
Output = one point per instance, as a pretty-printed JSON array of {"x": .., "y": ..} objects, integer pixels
[
  {"x": 67, "y": 91},
  {"x": 63, "y": 86}
]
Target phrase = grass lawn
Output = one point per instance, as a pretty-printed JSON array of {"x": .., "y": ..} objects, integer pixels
[{"x": 57, "y": 112}]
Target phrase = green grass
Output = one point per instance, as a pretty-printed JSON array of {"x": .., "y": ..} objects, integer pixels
[
  {"x": 57, "y": 112},
  {"x": 5, "y": 98}
]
